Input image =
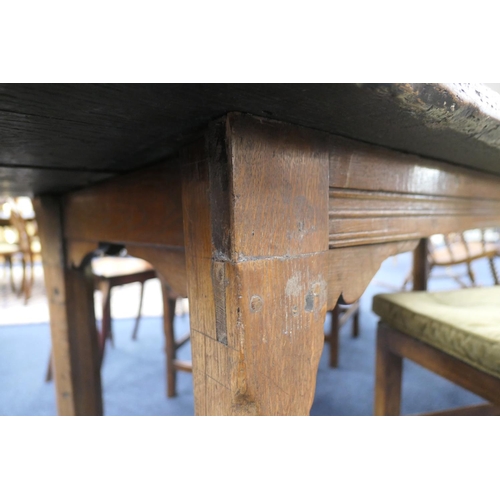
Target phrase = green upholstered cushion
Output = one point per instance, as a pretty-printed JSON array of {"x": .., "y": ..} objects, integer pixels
[{"x": 463, "y": 323}]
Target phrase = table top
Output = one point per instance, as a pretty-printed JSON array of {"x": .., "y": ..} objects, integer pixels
[{"x": 59, "y": 137}]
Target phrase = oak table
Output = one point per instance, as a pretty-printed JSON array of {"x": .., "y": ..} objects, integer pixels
[{"x": 262, "y": 203}]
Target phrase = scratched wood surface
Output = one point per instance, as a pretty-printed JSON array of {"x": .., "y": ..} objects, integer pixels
[
  {"x": 378, "y": 195},
  {"x": 350, "y": 269},
  {"x": 264, "y": 225},
  {"x": 144, "y": 207},
  {"x": 258, "y": 300},
  {"x": 56, "y": 138}
]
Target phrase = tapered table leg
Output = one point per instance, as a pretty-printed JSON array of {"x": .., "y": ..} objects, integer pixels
[
  {"x": 255, "y": 198},
  {"x": 71, "y": 302},
  {"x": 421, "y": 265}
]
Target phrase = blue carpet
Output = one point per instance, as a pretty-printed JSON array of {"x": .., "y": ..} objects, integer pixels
[{"x": 134, "y": 372}]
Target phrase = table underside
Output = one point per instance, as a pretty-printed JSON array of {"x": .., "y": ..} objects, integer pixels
[
  {"x": 263, "y": 225},
  {"x": 56, "y": 138}
]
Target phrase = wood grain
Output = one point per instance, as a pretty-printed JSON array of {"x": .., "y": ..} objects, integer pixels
[
  {"x": 350, "y": 270},
  {"x": 377, "y": 195},
  {"x": 70, "y": 292},
  {"x": 24, "y": 180},
  {"x": 169, "y": 264},
  {"x": 388, "y": 376},
  {"x": 458, "y": 372},
  {"x": 421, "y": 267},
  {"x": 143, "y": 207},
  {"x": 106, "y": 129},
  {"x": 296, "y": 155},
  {"x": 258, "y": 300},
  {"x": 273, "y": 223}
]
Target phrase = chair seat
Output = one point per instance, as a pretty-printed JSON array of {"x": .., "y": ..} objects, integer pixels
[
  {"x": 113, "y": 267},
  {"x": 463, "y": 323}
]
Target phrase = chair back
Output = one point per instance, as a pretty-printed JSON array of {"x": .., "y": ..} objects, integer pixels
[
  {"x": 19, "y": 224},
  {"x": 457, "y": 246}
]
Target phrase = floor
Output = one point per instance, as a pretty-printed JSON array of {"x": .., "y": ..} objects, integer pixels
[{"x": 133, "y": 371}]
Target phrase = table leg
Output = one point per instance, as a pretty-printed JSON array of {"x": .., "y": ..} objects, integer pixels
[
  {"x": 70, "y": 294},
  {"x": 334, "y": 338},
  {"x": 255, "y": 201},
  {"x": 420, "y": 265}
]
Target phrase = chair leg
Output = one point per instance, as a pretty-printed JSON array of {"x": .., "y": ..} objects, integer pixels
[
  {"x": 408, "y": 280},
  {"x": 471, "y": 274},
  {"x": 22, "y": 288},
  {"x": 29, "y": 282},
  {"x": 139, "y": 313},
  {"x": 421, "y": 265},
  {"x": 355, "y": 322},
  {"x": 170, "y": 345},
  {"x": 334, "y": 338},
  {"x": 494, "y": 271},
  {"x": 8, "y": 262},
  {"x": 32, "y": 260},
  {"x": 105, "y": 332},
  {"x": 48, "y": 375},
  {"x": 387, "y": 378}
]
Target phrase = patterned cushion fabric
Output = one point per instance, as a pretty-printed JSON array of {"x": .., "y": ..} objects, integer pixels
[{"x": 463, "y": 323}]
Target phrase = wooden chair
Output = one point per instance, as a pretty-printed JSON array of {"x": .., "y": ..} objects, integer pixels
[
  {"x": 28, "y": 248},
  {"x": 116, "y": 271},
  {"x": 340, "y": 315},
  {"x": 457, "y": 252},
  {"x": 110, "y": 272},
  {"x": 7, "y": 252},
  {"x": 172, "y": 344},
  {"x": 23, "y": 248},
  {"x": 455, "y": 334}
]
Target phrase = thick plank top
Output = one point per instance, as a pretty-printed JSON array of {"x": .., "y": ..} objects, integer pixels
[{"x": 59, "y": 137}]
